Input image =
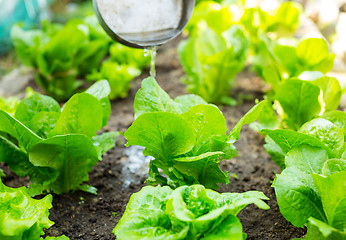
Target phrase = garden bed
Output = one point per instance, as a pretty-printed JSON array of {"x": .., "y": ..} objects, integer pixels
[{"x": 84, "y": 216}]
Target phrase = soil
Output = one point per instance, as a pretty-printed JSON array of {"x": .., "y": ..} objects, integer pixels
[{"x": 81, "y": 215}]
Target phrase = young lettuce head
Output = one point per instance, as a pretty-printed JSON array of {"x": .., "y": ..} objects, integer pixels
[
  {"x": 57, "y": 147},
  {"x": 310, "y": 190},
  {"x": 188, "y": 212},
  {"x": 186, "y": 136}
]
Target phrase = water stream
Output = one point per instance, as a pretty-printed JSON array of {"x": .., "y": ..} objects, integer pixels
[{"x": 152, "y": 51}]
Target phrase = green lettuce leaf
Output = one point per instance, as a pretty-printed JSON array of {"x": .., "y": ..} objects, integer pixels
[
  {"x": 318, "y": 230},
  {"x": 299, "y": 101},
  {"x": 255, "y": 113},
  {"x": 296, "y": 194},
  {"x": 338, "y": 118},
  {"x": 334, "y": 166},
  {"x": 82, "y": 114},
  {"x": 72, "y": 156},
  {"x": 152, "y": 98},
  {"x": 164, "y": 134},
  {"x": 33, "y": 105},
  {"x": 328, "y": 133},
  {"x": 39, "y": 113},
  {"x": 287, "y": 140},
  {"x": 333, "y": 195},
  {"x": 16, "y": 129}
]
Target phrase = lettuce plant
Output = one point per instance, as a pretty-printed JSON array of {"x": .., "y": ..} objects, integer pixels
[
  {"x": 186, "y": 136},
  {"x": 311, "y": 192},
  {"x": 60, "y": 54},
  {"x": 188, "y": 212},
  {"x": 57, "y": 147},
  {"x": 22, "y": 217},
  {"x": 212, "y": 61},
  {"x": 311, "y": 189}
]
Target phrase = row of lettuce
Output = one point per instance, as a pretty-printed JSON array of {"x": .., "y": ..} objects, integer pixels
[
  {"x": 309, "y": 141},
  {"x": 188, "y": 139},
  {"x": 57, "y": 147},
  {"x": 305, "y": 134},
  {"x": 223, "y": 38}
]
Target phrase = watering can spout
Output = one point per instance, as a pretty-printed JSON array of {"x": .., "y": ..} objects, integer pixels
[{"x": 143, "y": 23}]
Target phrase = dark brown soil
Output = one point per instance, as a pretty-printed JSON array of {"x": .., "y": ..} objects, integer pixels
[{"x": 84, "y": 216}]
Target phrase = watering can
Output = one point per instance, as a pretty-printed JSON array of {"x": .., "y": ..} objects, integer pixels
[{"x": 143, "y": 23}]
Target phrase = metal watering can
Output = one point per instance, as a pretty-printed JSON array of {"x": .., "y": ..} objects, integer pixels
[{"x": 143, "y": 23}]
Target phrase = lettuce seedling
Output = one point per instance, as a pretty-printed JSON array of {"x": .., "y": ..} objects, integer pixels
[
  {"x": 188, "y": 212},
  {"x": 186, "y": 136},
  {"x": 212, "y": 61},
  {"x": 22, "y": 217},
  {"x": 57, "y": 147},
  {"x": 311, "y": 190},
  {"x": 61, "y": 53}
]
